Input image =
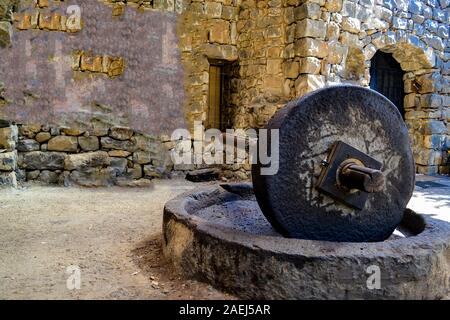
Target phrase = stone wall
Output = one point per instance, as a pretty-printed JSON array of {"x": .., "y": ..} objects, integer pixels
[
  {"x": 333, "y": 42},
  {"x": 8, "y": 154},
  {"x": 284, "y": 49},
  {"x": 273, "y": 51},
  {"x": 103, "y": 157}
]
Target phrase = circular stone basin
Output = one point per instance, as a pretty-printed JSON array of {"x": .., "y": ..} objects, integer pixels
[{"x": 219, "y": 235}]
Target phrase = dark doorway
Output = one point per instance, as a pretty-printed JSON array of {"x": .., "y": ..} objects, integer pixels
[
  {"x": 221, "y": 89},
  {"x": 386, "y": 77}
]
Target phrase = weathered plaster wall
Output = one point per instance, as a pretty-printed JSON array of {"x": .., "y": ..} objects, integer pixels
[{"x": 46, "y": 81}]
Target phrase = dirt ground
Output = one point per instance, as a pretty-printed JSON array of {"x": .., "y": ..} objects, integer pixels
[{"x": 113, "y": 236}]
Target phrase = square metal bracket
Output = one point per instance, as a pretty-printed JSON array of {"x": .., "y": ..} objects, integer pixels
[{"x": 328, "y": 184}]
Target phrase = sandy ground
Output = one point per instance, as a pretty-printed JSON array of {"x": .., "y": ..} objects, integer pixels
[{"x": 113, "y": 236}]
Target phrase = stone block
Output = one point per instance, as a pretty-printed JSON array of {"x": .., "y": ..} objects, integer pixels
[
  {"x": 8, "y": 138},
  {"x": 145, "y": 143},
  {"x": 436, "y": 141},
  {"x": 308, "y": 47},
  {"x": 273, "y": 66},
  {"x": 431, "y": 101},
  {"x": 38, "y": 160},
  {"x": 42, "y": 137},
  {"x": 400, "y": 23},
  {"x": 63, "y": 143},
  {"x": 152, "y": 172},
  {"x": 119, "y": 166},
  {"x": 351, "y": 25},
  {"x": 110, "y": 143},
  {"x": 336, "y": 52},
  {"x": 135, "y": 172},
  {"x": 273, "y": 84},
  {"x": 142, "y": 157},
  {"x": 306, "y": 83},
  {"x": 433, "y": 127},
  {"x": 333, "y": 5},
  {"x": 27, "y": 145},
  {"x": 90, "y": 143},
  {"x": 5, "y": 34},
  {"x": 86, "y": 160},
  {"x": 291, "y": 69},
  {"x": 140, "y": 183},
  {"x": 428, "y": 157},
  {"x": 409, "y": 101},
  {"x": 32, "y": 175},
  {"x": 91, "y": 177},
  {"x": 219, "y": 32},
  {"x": 416, "y": 7},
  {"x": 8, "y": 161},
  {"x": 221, "y": 52},
  {"x": 428, "y": 82},
  {"x": 119, "y": 153},
  {"x": 48, "y": 177},
  {"x": 91, "y": 63},
  {"x": 333, "y": 31},
  {"x": 72, "y": 131},
  {"x": 309, "y": 65},
  {"x": 213, "y": 9},
  {"x": 29, "y": 130},
  {"x": 121, "y": 133},
  {"x": 8, "y": 179},
  {"x": 311, "y": 28},
  {"x": 307, "y": 10}
]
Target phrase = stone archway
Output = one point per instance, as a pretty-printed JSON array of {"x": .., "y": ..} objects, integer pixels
[
  {"x": 424, "y": 98},
  {"x": 386, "y": 77}
]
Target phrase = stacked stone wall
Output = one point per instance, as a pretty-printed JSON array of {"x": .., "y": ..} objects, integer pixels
[
  {"x": 103, "y": 157},
  {"x": 272, "y": 51}
]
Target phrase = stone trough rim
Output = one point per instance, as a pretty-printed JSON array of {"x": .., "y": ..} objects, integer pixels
[
  {"x": 415, "y": 267},
  {"x": 432, "y": 231}
]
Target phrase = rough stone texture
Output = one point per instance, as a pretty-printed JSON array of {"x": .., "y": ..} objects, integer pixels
[
  {"x": 42, "y": 137},
  {"x": 8, "y": 138},
  {"x": 90, "y": 143},
  {"x": 38, "y": 160},
  {"x": 211, "y": 229},
  {"x": 28, "y": 145},
  {"x": 109, "y": 143},
  {"x": 351, "y": 114},
  {"x": 271, "y": 52},
  {"x": 85, "y": 160},
  {"x": 90, "y": 177},
  {"x": 8, "y": 179},
  {"x": 8, "y": 161},
  {"x": 121, "y": 133},
  {"x": 63, "y": 143}
]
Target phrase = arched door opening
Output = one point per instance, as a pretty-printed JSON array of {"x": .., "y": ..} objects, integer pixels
[{"x": 386, "y": 77}]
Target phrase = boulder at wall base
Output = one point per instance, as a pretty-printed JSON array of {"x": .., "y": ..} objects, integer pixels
[
  {"x": 85, "y": 160},
  {"x": 91, "y": 177}
]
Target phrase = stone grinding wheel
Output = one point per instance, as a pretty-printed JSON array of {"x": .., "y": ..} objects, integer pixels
[{"x": 308, "y": 130}]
